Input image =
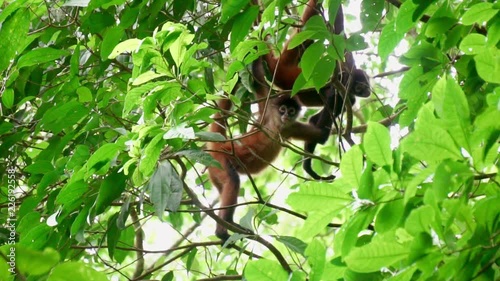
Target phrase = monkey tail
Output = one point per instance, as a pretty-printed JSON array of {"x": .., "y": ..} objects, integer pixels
[{"x": 220, "y": 118}]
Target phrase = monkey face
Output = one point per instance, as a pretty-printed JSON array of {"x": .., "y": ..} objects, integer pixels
[{"x": 287, "y": 113}]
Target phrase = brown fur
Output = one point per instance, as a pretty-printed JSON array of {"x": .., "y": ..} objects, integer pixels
[{"x": 255, "y": 150}]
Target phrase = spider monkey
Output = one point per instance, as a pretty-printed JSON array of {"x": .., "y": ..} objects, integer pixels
[
  {"x": 255, "y": 150},
  {"x": 285, "y": 69}
]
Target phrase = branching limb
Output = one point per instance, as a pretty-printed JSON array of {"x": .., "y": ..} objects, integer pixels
[
  {"x": 139, "y": 243},
  {"x": 229, "y": 226},
  {"x": 362, "y": 128}
]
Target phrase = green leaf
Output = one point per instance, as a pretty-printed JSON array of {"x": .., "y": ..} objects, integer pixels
[
  {"x": 15, "y": 29},
  {"x": 348, "y": 234},
  {"x": 389, "y": 216},
  {"x": 110, "y": 39},
  {"x": 414, "y": 87},
  {"x": 31, "y": 262},
  {"x": 431, "y": 143},
  {"x": 147, "y": 77},
  {"x": 356, "y": 42},
  {"x": 63, "y": 116},
  {"x": 210, "y": 136},
  {"x": 451, "y": 105},
  {"x": 242, "y": 24},
  {"x": 420, "y": 246},
  {"x": 486, "y": 213},
  {"x": 134, "y": 96},
  {"x": 294, "y": 244},
  {"x": 78, "y": 226},
  {"x": 315, "y": 254},
  {"x": 8, "y": 98},
  {"x": 351, "y": 166},
  {"x": 494, "y": 33},
  {"x": 301, "y": 37},
  {"x": 405, "y": 19},
  {"x": 314, "y": 196},
  {"x": 377, "y": 144},
  {"x": 165, "y": 189},
  {"x": 112, "y": 235},
  {"x": 12, "y": 7},
  {"x": 81, "y": 154},
  {"x": 180, "y": 132},
  {"x": 371, "y": 13},
  {"x": 376, "y": 255},
  {"x": 127, "y": 46},
  {"x": 78, "y": 271},
  {"x": 440, "y": 25},
  {"x": 389, "y": 39},
  {"x": 40, "y": 167},
  {"x": 310, "y": 59},
  {"x": 404, "y": 275},
  {"x": 71, "y": 195},
  {"x": 473, "y": 43},
  {"x": 41, "y": 55},
  {"x": 5, "y": 127},
  {"x": 100, "y": 161},
  {"x": 151, "y": 155},
  {"x": 488, "y": 65},
  {"x": 111, "y": 189},
  {"x": 323, "y": 71},
  {"x": 199, "y": 156},
  {"x": 179, "y": 47},
  {"x": 169, "y": 276},
  {"x": 411, "y": 188},
  {"x": 36, "y": 237},
  {"x": 434, "y": 144},
  {"x": 420, "y": 220},
  {"x": 127, "y": 237},
  {"x": 317, "y": 220},
  {"x": 231, "y": 8},
  {"x": 367, "y": 188},
  {"x": 264, "y": 270},
  {"x": 479, "y": 13},
  {"x": 84, "y": 94}
]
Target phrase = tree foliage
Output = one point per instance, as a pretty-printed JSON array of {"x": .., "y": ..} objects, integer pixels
[{"x": 105, "y": 107}]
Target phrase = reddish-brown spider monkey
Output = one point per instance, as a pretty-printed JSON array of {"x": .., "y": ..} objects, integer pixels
[
  {"x": 255, "y": 150},
  {"x": 285, "y": 69}
]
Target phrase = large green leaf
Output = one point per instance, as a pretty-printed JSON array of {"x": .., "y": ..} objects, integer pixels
[
  {"x": 110, "y": 189},
  {"x": 479, "y": 13},
  {"x": 100, "y": 161},
  {"x": 165, "y": 188},
  {"x": 242, "y": 25},
  {"x": 264, "y": 270},
  {"x": 389, "y": 39},
  {"x": 230, "y": 8},
  {"x": 376, "y": 255},
  {"x": 62, "y": 116},
  {"x": 474, "y": 43},
  {"x": 33, "y": 262},
  {"x": 351, "y": 166},
  {"x": 13, "y": 31},
  {"x": 318, "y": 196},
  {"x": 488, "y": 65},
  {"x": 78, "y": 271},
  {"x": 41, "y": 55},
  {"x": 452, "y": 106},
  {"x": 378, "y": 144},
  {"x": 316, "y": 257}
]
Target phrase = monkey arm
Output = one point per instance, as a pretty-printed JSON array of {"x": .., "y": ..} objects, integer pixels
[{"x": 306, "y": 132}]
